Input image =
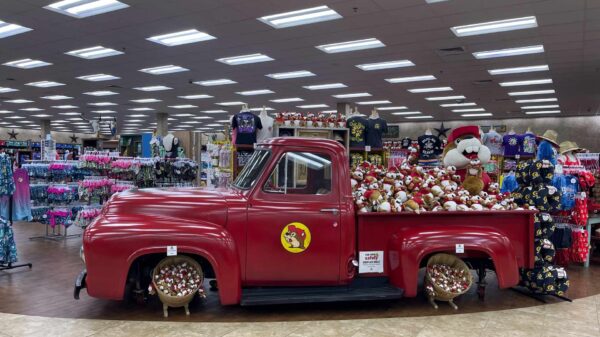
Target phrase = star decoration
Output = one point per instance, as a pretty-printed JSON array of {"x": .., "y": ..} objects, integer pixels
[
  {"x": 442, "y": 130},
  {"x": 13, "y": 134},
  {"x": 73, "y": 138}
]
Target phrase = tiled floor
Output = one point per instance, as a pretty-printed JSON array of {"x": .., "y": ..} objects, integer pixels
[{"x": 578, "y": 319}]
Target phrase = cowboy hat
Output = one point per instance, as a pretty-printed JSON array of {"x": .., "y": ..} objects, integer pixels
[
  {"x": 551, "y": 136},
  {"x": 569, "y": 146}
]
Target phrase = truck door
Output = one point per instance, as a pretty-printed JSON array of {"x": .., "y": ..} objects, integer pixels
[{"x": 293, "y": 232}]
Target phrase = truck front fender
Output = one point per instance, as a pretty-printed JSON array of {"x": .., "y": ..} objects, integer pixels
[{"x": 410, "y": 245}]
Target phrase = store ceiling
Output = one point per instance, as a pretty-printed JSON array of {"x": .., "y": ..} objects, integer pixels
[{"x": 410, "y": 29}]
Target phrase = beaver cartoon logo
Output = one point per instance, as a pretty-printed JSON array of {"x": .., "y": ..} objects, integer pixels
[{"x": 295, "y": 237}]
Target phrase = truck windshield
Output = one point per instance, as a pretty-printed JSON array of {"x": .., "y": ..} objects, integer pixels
[{"x": 252, "y": 170}]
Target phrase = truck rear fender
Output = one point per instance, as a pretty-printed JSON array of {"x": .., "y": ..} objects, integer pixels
[{"x": 409, "y": 246}]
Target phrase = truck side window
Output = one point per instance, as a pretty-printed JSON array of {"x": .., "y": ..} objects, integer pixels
[{"x": 301, "y": 173}]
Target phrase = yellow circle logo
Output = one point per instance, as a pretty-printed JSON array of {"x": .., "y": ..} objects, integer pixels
[{"x": 295, "y": 237}]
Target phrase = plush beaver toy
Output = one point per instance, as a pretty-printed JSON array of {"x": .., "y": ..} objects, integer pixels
[{"x": 465, "y": 149}]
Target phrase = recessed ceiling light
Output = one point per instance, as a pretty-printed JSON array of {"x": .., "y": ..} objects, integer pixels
[
  {"x": 140, "y": 109},
  {"x": 291, "y": 74},
  {"x": 135, "y": 120},
  {"x": 468, "y": 110},
  {"x": 44, "y": 84},
  {"x": 102, "y": 104},
  {"x": 18, "y": 101},
  {"x": 98, "y": 77},
  {"x": 533, "y": 92},
  {"x": 374, "y": 102},
  {"x": 94, "y": 52},
  {"x": 518, "y": 70},
  {"x": 183, "y": 106},
  {"x": 72, "y": 113},
  {"x": 434, "y": 1},
  {"x": 182, "y": 37},
  {"x": 509, "y": 52},
  {"x": 542, "y": 112},
  {"x": 410, "y": 79},
  {"x": 245, "y": 59},
  {"x": 444, "y": 98},
  {"x": 138, "y": 115},
  {"x": 384, "y": 108},
  {"x": 104, "y": 111},
  {"x": 15, "y": 117},
  {"x": 537, "y": 100},
  {"x": 31, "y": 109},
  {"x": 266, "y": 108},
  {"x": 214, "y": 125},
  {"x": 101, "y": 93},
  {"x": 196, "y": 122},
  {"x": 419, "y": 117},
  {"x": 434, "y": 89},
  {"x": 205, "y": 117},
  {"x": 485, "y": 114},
  {"x": 153, "y": 88},
  {"x": 146, "y": 100},
  {"x": 221, "y": 81},
  {"x": 286, "y": 100},
  {"x": 312, "y": 106},
  {"x": 27, "y": 63},
  {"x": 255, "y": 92},
  {"x": 213, "y": 112},
  {"x": 183, "y": 115},
  {"x": 550, "y": 106},
  {"x": 6, "y": 89},
  {"x": 160, "y": 70},
  {"x": 526, "y": 82},
  {"x": 325, "y": 86},
  {"x": 406, "y": 113},
  {"x": 56, "y": 97},
  {"x": 300, "y": 17},
  {"x": 341, "y": 47},
  {"x": 84, "y": 8},
  {"x": 352, "y": 95},
  {"x": 495, "y": 26},
  {"x": 5, "y": 112},
  {"x": 385, "y": 65},
  {"x": 230, "y": 103},
  {"x": 200, "y": 96},
  {"x": 41, "y": 115},
  {"x": 10, "y": 29},
  {"x": 452, "y": 105}
]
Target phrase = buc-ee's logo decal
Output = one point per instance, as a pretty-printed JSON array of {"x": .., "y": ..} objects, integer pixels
[{"x": 295, "y": 237}]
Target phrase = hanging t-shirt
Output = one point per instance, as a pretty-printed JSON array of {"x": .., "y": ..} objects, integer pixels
[
  {"x": 247, "y": 125},
  {"x": 405, "y": 142},
  {"x": 376, "y": 128},
  {"x": 493, "y": 140},
  {"x": 21, "y": 197},
  {"x": 267, "y": 128},
  {"x": 358, "y": 129},
  {"x": 512, "y": 144},
  {"x": 528, "y": 145},
  {"x": 429, "y": 147}
]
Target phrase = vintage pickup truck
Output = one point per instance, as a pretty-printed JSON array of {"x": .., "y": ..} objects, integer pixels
[{"x": 286, "y": 231}]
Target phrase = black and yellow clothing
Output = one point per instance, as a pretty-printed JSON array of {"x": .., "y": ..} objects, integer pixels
[
  {"x": 376, "y": 128},
  {"x": 358, "y": 128}
]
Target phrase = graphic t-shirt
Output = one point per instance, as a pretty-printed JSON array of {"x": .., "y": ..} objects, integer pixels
[
  {"x": 358, "y": 128},
  {"x": 528, "y": 145},
  {"x": 429, "y": 147},
  {"x": 493, "y": 140},
  {"x": 405, "y": 142},
  {"x": 512, "y": 144},
  {"x": 246, "y": 124},
  {"x": 376, "y": 128}
]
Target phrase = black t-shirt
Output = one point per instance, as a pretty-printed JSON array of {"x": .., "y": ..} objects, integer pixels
[
  {"x": 358, "y": 128},
  {"x": 246, "y": 124},
  {"x": 377, "y": 127},
  {"x": 429, "y": 147},
  {"x": 405, "y": 142}
]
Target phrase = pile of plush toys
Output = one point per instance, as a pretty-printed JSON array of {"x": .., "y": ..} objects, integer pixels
[
  {"x": 310, "y": 119},
  {"x": 177, "y": 280},
  {"x": 452, "y": 280}
]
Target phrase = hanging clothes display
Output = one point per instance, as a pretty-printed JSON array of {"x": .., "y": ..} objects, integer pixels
[
  {"x": 8, "y": 248},
  {"x": 21, "y": 197}
]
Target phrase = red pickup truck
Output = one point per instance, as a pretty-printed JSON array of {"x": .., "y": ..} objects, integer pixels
[{"x": 286, "y": 231}]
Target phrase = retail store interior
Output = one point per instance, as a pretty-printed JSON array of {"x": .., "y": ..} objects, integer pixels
[{"x": 299, "y": 168}]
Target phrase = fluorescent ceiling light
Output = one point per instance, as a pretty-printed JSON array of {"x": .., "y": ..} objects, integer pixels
[
  {"x": 56, "y": 97},
  {"x": 352, "y": 95},
  {"x": 104, "y": 111},
  {"x": 406, "y": 113},
  {"x": 101, "y": 93},
  {"x": 182, "y": 37},
  {"x": 495, "y": 26},
  {"x": 27, "y": 63},
  {"x": 146, "y": 100},
  {"x": 385, "y": 65},
  {"x": 98, "y": 77},
  {"x": 551, "y": 106},
  {"x": 291, "y": 74},
  {"x": 312, "y": 106},
  {"x": 153, "y": 88},
  {"x": 286, "y": 100},
  {"x": 41, "y": 115},
  {"x": 468, "y": 110},
  {"x": 351, "y": 46},
  {"x": 213, "y": 112},
  {"x": 5, "y": 112},
  {"x": 537, "y": 100},
  {"x": 183, "y": 106},
  {"x": 18, "y": 101},
  {"x": 419, "y": 117},
  {"x": 140, "y": 109},
  {"x": 221, "y": 81},
  {"x": 434, "y": 1},
  {"x": 10, "y": 29},
  {"x": 486, "y": 114},
  {"x": 214, "y": 125},
  {"x": 444, "y": 98},
  {"x": 199, "y": 96},
  {"x": 533, "y": 92},
  {"x": 84, "y": 8},
  {"x": 15, "y": 117},
  {"x": 391, "y": 108},
  {"x": 509, "y": 52},
  {"x": 527, "y": 82},
  {"x": 64, "y": 106},
  {"x": 300, "y": 17},
  {"x": 32, "y": 109},
  {"x": 434, "y": 89},
  {"x": 245, "y": 59},
  {"x": 6, "y": 89},
  {"x": 543, "y": 112},
  {"x": 94, "y": 52},
  {"x": 518, "y": 70},
  {"x": 72, "y": 113},
  {"x": 255, "y": 92},
  {"x": 410, "y": 79},
  {"x": 334, "y": 111},
  {"x": 183, "y": 115},
  {"x": 451, "y": 105},
  {"x": 198, "y": 122},
  {"x": 160, "y": 70},
  {"x": 102, "y": 104},
  {"x": 207, "y": 117},
  {"x": 44, "y": 84},
  {"x": 325, "y": 86},
  {"x": 374, "y": 102},
  {"x": 266, "y": 108},
  {"x": 230, "y": 103}
]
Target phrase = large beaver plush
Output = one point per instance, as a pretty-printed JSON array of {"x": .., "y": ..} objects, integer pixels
[{"x": 465, "y": 151}]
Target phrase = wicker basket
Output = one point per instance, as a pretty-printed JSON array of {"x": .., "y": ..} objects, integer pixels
[
  {"x": 441, "y": 294},
  {"x": 176, "y": 301}
]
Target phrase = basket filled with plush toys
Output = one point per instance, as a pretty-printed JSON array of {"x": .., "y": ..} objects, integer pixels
[{"x": 446, "y": 277}]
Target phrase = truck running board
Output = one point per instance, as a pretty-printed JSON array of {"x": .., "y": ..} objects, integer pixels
[{"x": 366, "y": 289}]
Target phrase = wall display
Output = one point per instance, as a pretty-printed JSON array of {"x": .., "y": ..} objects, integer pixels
[{"x": 393, "y": 132}]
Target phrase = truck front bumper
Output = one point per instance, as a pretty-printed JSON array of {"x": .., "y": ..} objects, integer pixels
[{"x": 79, "y": 283}]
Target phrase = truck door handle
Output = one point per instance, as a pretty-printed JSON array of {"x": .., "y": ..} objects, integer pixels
[{"x": 335, "y": 211}]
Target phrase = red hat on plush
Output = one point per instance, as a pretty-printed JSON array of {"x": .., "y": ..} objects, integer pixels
[{"x": 463, "y": 131}]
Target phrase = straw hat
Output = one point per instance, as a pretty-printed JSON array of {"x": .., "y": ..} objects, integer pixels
[
  {"x": 551, "y": 136},
  {"x": 569, "y": 146}
]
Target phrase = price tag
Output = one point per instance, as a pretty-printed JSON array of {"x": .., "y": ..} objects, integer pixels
[
  {"x": 460, "y": 248},
  {"x": 368, "y": 148},
  {"x": 171, "y": 250}
]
